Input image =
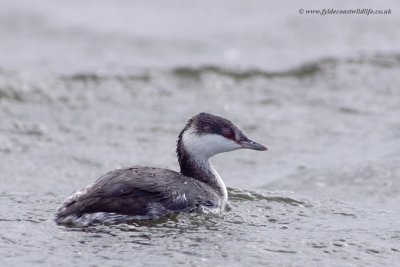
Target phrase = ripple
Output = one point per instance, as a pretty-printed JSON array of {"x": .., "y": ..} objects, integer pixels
[{"x": 244, "y": 195}]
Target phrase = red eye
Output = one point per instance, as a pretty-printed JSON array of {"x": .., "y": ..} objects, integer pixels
[{"x": 227, "y": 133}]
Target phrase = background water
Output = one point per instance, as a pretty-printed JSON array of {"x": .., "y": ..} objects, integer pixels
[{"x": 90, "y": 86}]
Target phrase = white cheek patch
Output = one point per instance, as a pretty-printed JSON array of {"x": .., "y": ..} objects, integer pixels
[{"x": 207, "y": 145}]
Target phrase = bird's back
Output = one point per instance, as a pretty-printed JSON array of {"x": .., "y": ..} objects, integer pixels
[{"x": 137, "y": 193}]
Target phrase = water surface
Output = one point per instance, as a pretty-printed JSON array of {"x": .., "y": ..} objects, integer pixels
[{"x": 84, "y": 90}]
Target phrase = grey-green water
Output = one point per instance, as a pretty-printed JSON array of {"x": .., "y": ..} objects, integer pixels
[{"x": 84, "y": 90}]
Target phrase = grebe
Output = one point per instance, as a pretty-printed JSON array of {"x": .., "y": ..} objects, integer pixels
[{"x": 150, "y": 193}]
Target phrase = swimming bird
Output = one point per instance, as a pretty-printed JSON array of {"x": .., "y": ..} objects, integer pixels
[{"x": 148, "y": 193}]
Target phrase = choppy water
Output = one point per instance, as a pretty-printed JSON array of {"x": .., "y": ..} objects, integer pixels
[{"x": 84, "y": 89}]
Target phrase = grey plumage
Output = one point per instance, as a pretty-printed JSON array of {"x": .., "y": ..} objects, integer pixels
[{"x": 135, "y": 191}]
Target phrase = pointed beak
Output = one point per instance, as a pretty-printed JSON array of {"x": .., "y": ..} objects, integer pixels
[{"x": 249, "y": 144}]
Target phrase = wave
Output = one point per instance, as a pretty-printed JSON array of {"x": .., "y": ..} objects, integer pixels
[{"x": 196, "y": 72}]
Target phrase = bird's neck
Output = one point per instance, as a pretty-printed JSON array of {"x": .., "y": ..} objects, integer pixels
[{"x": 199, "y": 168}]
